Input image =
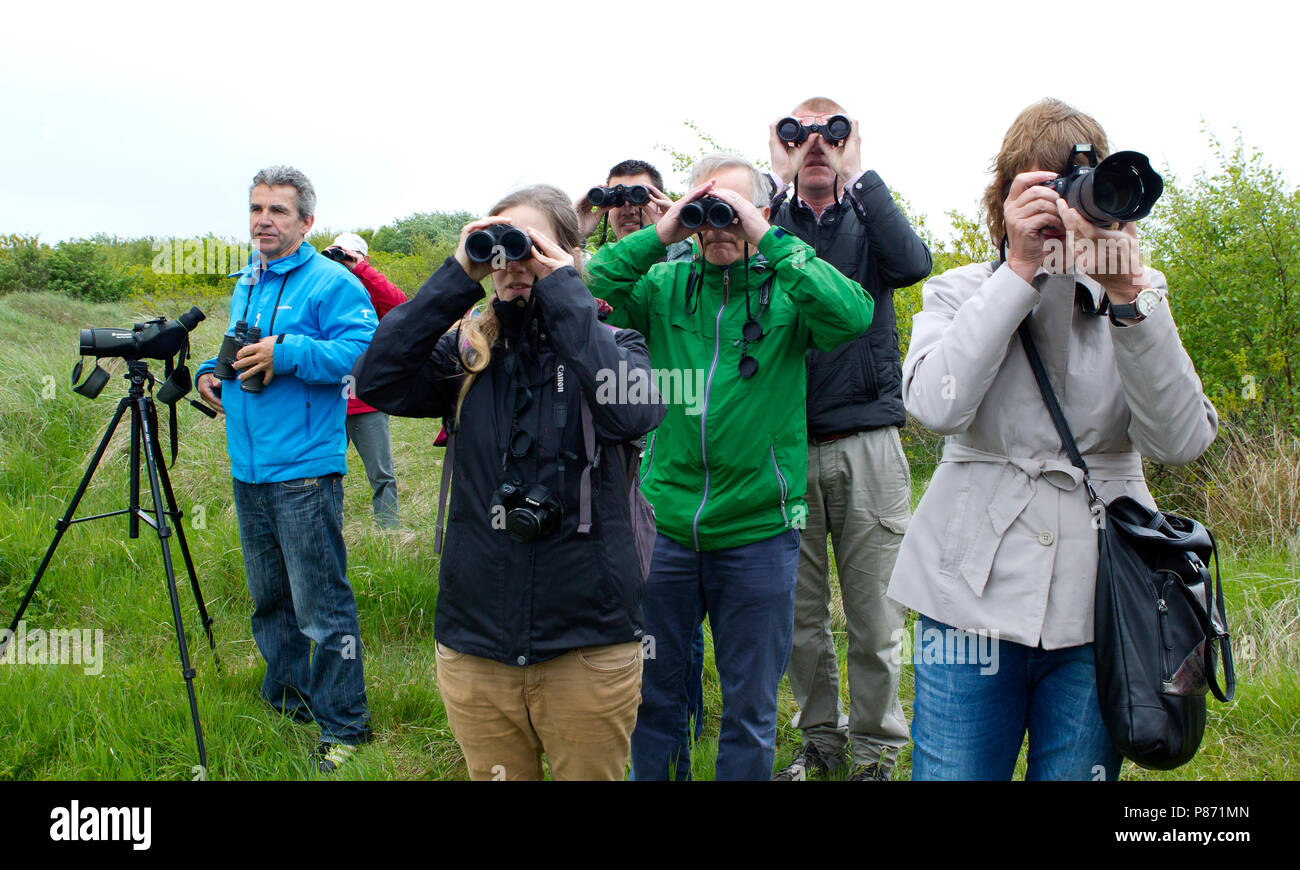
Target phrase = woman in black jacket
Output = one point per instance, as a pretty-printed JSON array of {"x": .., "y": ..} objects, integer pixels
[{"x": 538, "y": 626}]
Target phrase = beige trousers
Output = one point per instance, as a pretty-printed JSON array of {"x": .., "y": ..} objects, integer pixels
[{"x": 578, "y": 708}]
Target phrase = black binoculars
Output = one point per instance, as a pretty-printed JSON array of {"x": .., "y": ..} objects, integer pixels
[
  {"x": 637, "y": 194},
  {"x": 511, "y": 242},
  {"x": 836, "y": 129},
  {"x": 707, "y": 209},
  {"x": 338, "y": 255},
  {"x": 241, "y": 336},
  {"x": 1122, "y": 188}
]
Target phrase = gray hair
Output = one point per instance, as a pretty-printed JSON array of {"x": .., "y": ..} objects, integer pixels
[
  {"x": 274, "y": 176},
  {"x": 711, "y": 164}
]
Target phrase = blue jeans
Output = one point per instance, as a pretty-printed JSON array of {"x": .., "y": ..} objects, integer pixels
[
  {"x": 292, "y": 539},
  {"x": 748, "y": 595},
  {"x": 972, "y": 710}
]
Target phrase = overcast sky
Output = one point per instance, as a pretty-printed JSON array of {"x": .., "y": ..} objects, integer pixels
[{"x": 151, "y": 119}]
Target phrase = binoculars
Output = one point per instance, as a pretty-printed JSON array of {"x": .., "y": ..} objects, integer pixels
[
  {"x": 836, "y": 129},
  {"x": 338, "y": 255},
  {"x": 511, "y": 242},
  {"x": 1122, "y": 188},
  {"x": 637, "y": 194},
  {"x": 225, "y": 370},
  {"x": 707, "y": 209}
]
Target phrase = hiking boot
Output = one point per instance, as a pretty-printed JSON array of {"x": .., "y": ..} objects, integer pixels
[
  {"x": 809, "y": 763},
  {"x": 869, "y": 773},
  {"x": 329, "y": 757}
]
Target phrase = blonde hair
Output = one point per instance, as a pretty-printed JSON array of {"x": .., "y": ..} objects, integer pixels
[
  {"x": 1041, "y": 135},
  {"x": 478, "y": 334}
]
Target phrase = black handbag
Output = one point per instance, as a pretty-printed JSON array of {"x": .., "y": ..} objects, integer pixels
[{"x": 1159, "y": 623}]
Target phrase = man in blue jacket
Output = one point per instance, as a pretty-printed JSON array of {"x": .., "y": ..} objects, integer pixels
[{"x": 286, "y": 445}]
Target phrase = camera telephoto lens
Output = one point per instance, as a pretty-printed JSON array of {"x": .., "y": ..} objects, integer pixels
[{"x": 1116, "y": 193}]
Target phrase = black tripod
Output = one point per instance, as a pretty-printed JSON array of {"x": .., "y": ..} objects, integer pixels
[{"x": 144, "y": 429}]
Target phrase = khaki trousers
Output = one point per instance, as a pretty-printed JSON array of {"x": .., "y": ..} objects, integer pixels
[
  {"x": 578, "y": 708},
  {"x": 859, "y": 492}
]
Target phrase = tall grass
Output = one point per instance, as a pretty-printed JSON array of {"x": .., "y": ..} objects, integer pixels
[{"x": 131, "y": 721}]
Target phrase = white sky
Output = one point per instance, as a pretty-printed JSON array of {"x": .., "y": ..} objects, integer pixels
[{"x": 139, "y": 118}]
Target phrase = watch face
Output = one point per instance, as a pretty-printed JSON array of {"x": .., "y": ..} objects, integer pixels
[{"x": 1147, "y": 301}]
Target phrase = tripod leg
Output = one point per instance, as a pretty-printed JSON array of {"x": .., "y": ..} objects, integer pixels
[
  {"x": 164, "y": 532},
  {"x": 176, "y": 512},
  {"x": 62, "y": 525}
]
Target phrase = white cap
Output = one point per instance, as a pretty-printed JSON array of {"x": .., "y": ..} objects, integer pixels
[{"x": 351, "y": 242}]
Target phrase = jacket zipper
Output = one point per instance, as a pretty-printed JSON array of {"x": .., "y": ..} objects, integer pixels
[
  {"x": 248, "y": 428},
  {"x": 780, "y": 479},
  {"x": 704, "y": 412}
]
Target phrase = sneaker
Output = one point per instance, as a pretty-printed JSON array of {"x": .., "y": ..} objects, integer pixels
[
  {"x": 330, "y": 756},
  {"x": 809, "y": 763},
  {"x": 869, "y": 773}
]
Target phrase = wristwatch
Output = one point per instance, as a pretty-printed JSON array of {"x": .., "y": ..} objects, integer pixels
[{"x": 1139, "y": 309}]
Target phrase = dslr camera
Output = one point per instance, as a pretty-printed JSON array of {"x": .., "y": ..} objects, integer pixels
[
  {"x": 836, "y": 129},
  {"x": 531, "y": 513},
  {"x": 707, "y": 209},
  {"x": 1122, "y": 188},
  {"x": 637, "y": 194},
  {"x": 241, "y": 336},
  {"x": 513, "y": 243}
]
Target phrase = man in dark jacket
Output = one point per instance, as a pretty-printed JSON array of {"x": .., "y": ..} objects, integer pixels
[{"x": 859, "y": 485}]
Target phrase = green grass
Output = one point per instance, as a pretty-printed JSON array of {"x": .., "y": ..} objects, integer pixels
[{"x": 131, "y": 721}]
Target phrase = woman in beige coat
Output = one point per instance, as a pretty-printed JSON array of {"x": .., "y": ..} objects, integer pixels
[{"x": 1000, "y": 560}]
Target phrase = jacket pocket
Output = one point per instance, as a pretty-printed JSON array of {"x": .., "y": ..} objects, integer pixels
[
  {"x": 782, "y": 486},
  {"x": 611, "y": 659},
  {"x": 868, "y": 362}
]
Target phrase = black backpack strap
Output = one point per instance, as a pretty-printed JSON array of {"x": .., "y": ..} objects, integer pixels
[{"x": 448, "y": 457}]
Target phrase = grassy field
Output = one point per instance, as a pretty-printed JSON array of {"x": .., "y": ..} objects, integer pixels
[{"x": 131, "y": 719}]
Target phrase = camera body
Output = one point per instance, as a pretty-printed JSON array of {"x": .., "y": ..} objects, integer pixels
[
  {"x": 532, "y": 512},
  {"x": 1122, "y": 188},
  {"x": 513, "y": 243},
  {"x": 158, "y": 338},
  {"x": 637, "y": 194},
  {"x": 836, "y": 129},
  {"x": 707, "y": 209}
]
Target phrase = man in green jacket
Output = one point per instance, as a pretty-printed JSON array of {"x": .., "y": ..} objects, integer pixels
[{"x": 726, "y": 470}]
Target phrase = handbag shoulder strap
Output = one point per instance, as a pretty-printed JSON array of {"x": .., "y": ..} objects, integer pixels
[
  {"x": 448, "y": 457},
  {"x": 1049, "y": 398}
]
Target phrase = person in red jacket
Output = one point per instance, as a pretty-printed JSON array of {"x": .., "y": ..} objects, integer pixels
[{"x": 366, "y": 427}]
